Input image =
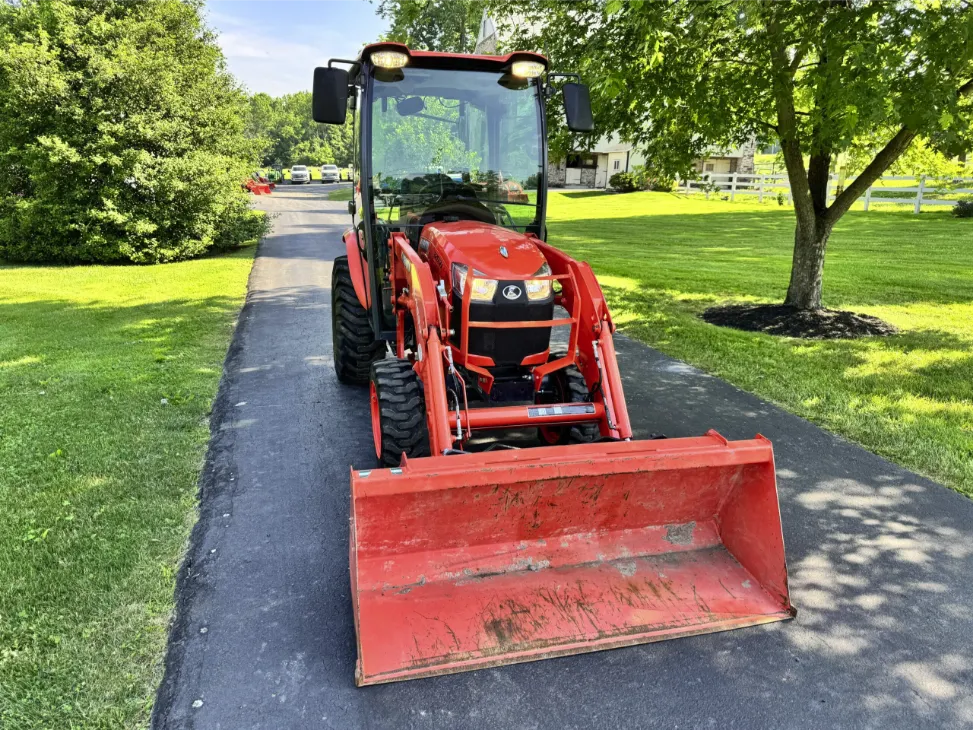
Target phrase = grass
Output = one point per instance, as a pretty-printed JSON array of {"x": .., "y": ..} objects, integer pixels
[
  {"x": 345, "y": 192},
  {"x": 106, "y": 379},
  {"x": 663, "y": 258}
]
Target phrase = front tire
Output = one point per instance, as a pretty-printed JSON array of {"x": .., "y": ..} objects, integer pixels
[
  {"x": 398, "y": 409},
  {"x": 354, "y": 345}
]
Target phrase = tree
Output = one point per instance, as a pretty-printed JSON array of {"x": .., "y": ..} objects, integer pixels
[
  {"x": 677, "y": 78},
  {"x": 121, "y": 134},
  {"x": 433, "y": 25},
  {"x": 285, "y": 133}
]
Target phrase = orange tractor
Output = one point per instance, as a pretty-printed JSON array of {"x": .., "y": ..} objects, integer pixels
[{"x": 511, "y": 516}]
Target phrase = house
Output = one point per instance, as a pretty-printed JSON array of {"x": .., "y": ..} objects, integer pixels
[{"x": 594, "y": 168}]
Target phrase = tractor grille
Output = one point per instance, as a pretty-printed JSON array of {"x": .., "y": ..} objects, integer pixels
[{"x": 506, "y": 346}]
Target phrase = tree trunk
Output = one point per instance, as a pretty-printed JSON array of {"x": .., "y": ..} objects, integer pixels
[{"x": 807, "y": 268}]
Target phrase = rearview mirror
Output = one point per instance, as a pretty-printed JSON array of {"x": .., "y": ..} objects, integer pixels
[
  {"x": 329, "y": 99},
  {"x": 410, "y": 105},
  {"x": 577, "y": 108}
]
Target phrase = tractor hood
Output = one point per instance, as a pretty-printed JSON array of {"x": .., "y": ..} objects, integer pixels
[{"x": 497, "y": 252}]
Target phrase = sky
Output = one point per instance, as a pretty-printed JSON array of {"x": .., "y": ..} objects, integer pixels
[{"x": 274, "y": 45}]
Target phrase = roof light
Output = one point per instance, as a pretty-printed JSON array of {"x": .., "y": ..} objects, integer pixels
[
  {"x": 527, "y": 69},
  {"x": 389, "y": 59}
]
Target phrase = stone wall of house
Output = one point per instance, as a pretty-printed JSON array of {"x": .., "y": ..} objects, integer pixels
[
  {"x": 588, "y": 177},
  {"x": 746, "y": 165},
  {"x": 556, "y": 174}
]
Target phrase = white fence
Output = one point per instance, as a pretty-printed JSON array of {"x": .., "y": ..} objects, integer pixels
[{"x": 925, "y": 191}]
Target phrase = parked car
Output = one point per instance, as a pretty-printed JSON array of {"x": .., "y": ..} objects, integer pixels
[
  {"x": 330, "y": 174},
  {"x": 300, "y": 174}
]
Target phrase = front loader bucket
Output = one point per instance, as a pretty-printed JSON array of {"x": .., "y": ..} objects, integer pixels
[{"x": 470, "y": 561}]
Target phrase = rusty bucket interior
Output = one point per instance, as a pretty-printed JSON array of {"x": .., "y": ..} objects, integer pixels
[{"x": 476, "y": 560}]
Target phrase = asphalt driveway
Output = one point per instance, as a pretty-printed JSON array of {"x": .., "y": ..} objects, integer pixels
[{"x": 881, "y": 560}]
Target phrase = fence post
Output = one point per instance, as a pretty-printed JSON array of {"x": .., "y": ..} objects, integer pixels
[
  {"x": 922, "y": 187},
  {"x": 733, "y": 187},
  {"x": 760, "y": 190},
  {"x": 868, "y": 197}
]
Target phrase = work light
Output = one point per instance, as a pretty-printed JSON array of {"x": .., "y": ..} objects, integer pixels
[
  {"x": 527, "y": 69},
  {"x": 389, "y": 59}
]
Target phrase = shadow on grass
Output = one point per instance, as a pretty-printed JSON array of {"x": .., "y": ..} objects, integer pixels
[
  {"x": 577, "y": 194},
  {"x": 244, "y": 250}
]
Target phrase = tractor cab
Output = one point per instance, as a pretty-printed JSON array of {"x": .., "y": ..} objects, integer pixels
[{"x": 451, "y": 154}]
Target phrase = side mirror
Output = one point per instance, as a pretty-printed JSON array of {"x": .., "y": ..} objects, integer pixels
[
  {"x": 351, "y": 207},
  {"x": 329, "y": 99},
  {"x": 577, "y": 108}
]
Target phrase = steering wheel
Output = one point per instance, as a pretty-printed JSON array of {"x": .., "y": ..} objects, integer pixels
[{"x": 447, "y": 187}]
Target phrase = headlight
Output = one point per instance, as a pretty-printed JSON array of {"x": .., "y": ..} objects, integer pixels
[
  {"x": 483, "y": 289},
  {"x": 539, "y": 289}
]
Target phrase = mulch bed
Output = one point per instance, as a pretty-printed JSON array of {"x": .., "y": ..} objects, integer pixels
[{"x": 778, "y": 319}]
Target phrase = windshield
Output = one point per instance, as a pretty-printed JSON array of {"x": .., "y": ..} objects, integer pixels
[
  {"x": 299, "y": 168},
  {"x": 328, "y": 167},
  {"x": 447, "y": 142}
]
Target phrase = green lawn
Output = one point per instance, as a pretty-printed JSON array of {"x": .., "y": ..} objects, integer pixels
[
  {"x": 106, "y": 379},
  {"x": 663, "y": 258},
  {"x": 345, "y": 192}
]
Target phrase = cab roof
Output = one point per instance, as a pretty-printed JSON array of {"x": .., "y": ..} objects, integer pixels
[{"x": 456, "y": 61}]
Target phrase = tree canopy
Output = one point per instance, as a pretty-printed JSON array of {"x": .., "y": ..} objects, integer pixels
[
  {"x": 433, "y": 25},
  {"x": 121, "y": 133},
  {"x": 286, "y": 134},
  {"x": 862, "y": 77}
]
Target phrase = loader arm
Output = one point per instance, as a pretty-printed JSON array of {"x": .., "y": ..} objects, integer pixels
[{"x": 411, "y": 276}]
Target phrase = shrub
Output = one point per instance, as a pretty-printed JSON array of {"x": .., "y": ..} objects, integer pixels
[
  {"x": 625, "y": 182},
  {"x": 963, "y": 208},
  {"x": 145, "y": 165}
]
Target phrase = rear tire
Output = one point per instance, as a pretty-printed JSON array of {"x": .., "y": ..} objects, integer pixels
[
  {"x": 353, "y": 342},
  {"x": 398, "y": 408},
  {"x": 570, "y": 387}
]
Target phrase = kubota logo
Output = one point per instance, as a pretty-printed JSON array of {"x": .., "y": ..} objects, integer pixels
[{"x": 511, "y": 292}]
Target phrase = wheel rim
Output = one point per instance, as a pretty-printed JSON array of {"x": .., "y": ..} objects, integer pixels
[{"x": 376, "y": 415}]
